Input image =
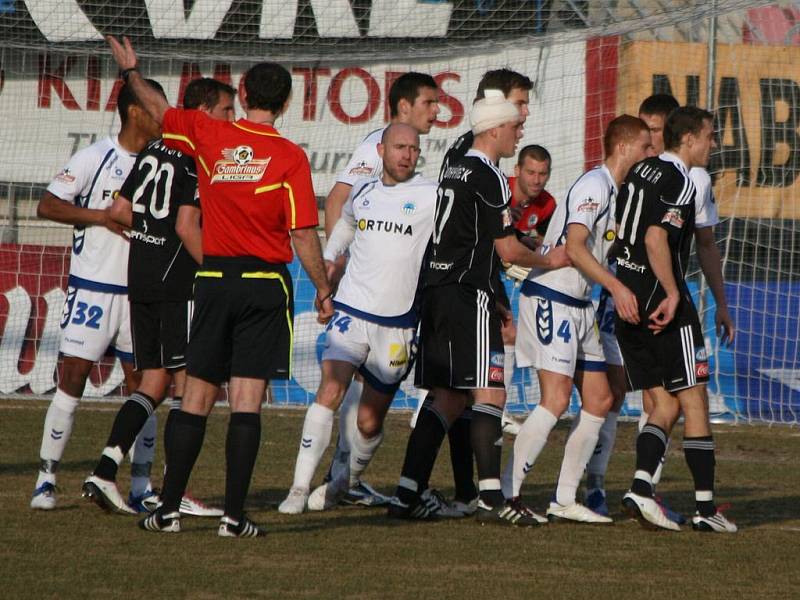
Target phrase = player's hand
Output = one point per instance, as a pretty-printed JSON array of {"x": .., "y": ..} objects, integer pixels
[
  {"x": 124, "y": 54},
  {"x": 324, "y": 309},
  {"x": 557, "y": 258},
  {"x": 112, "y": 225},
  {"x": 664, "y": 313},
  {"x": 725, "y": 329},
  {"x": 626, "y": 304},
  {"x": 530, "y": 241}
]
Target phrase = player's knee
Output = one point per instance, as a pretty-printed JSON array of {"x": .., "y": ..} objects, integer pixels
[
  {"x": 65, "y": 401},
  {"x": 330, "y": 394},
  {"x": 369, "y": 425}
]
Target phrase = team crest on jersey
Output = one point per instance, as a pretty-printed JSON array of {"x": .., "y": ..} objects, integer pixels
[
  {"x": 409, "y": 208},
  {"x": 673, "y": 217},
  {"x": 361, "y": 168},
  {"x": 65, "y": 176},
  {"x": 533, "y": 220},
  {"x": 239, "y": 165},
  {"x": 610, "y": 235},
  {"x": 588, "y": 205}
]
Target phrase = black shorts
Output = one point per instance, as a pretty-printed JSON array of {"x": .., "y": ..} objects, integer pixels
[
  {"x": 160, "y": 333},
  {"x": 242, "y": 324},
  {"x": 460, "y": 345},
  {"x": 675, "y": 359}
]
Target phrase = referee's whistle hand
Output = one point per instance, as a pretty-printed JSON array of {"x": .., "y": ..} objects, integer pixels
[{"x": 124, "y": 54}]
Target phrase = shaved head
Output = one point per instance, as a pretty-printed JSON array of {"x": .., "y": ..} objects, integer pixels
[{"x": 399, "y": 150}]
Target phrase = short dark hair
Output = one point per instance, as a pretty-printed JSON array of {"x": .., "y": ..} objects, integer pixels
[
  {"x": 126, "y": 98},
  {"x": 535, "y": 152},
  {"x": 683, "y": 120},
  {"x": 205, "y": 92},
  {"x": 504, "y": 80},
  {"x": 658, "y": 104},
  {"x": 268, "y": 86},
  {"x": 407, "y": 87},
  {"x": 624, "y": 128}
]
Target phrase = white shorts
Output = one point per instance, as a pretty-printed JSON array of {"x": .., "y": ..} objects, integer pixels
[
  {"x": 382, "y": 353},
  {"x": 606, "y": 315},
  {"x": 94, "y": 321},
  {"x": 557, "y": 337}
]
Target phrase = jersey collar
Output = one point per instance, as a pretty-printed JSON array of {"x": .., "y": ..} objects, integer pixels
[
  {"x": 610, "y": 178},
  {"x": 115, "y": 141},
  {"x": 479, "y": 154},
  {"x": 675, "y": 159},
  {"x": 257, "y": 128}
]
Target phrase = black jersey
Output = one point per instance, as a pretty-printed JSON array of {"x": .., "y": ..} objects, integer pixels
[
  {"x": 471, "y": 212},
  {"x": 159, "y": 267},
  {"x": 657, "y": 192}
]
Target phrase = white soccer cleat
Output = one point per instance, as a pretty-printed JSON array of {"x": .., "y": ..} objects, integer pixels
[
  {"x": 105, "y": 494},
  {"x": 295, "y": 502},
  {"x": 44, "y": 497},
  {"x": 647, "y": 512},
  {"x": 510, "y": 425},
  {"x": 328, "y": 495},
  {"x": 192, "y": 506},
  {"x": 464, "y": 509},
  {"x": 576, "y": 513},
  {"x": 716, "y": 522}
]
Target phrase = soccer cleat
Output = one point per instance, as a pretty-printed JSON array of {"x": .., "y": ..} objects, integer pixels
[
  {"x": 44, "y": 497},
  {"x": 155, "y": 521},
  {"x": 105, "y": 494},
  {"x": 716, "y": 522},
  {"x": 240, "y": 529},
  {"x": 436, "y": 503},
  {"x": 669, "y": 513},
  {"x": 510, "y": 425},
  {"x": 295, "y": 502},
  {"x": 504, "y": 514},
  {"x": 144, "y": 503},
  {"x": 647, "y": 512},
  {"x": 466, "y": 509},
  {"x": 576, "y": 513},
  {"x": 517, "y": 504},
  {"x": 327, "y": 495},
  {"x": 363, "y": 494},
  {"x": 596, "y": 501},
  {"x": 414, "y": 511},
  {"x": 192, "y": 506}
]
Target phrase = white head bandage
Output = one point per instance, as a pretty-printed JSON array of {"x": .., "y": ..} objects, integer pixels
[{"x": 491, "y": 111}]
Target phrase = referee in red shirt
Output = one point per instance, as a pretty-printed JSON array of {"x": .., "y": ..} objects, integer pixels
[{"x": 256, "y": 197}]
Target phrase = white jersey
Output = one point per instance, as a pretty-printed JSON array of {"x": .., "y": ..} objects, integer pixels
[
  {"x": 365, "y": 161},
  {"x": 389, "y": 231},
  {"x": 704, "y": 204},
  {"x": 99, "y": 259},
  {"x": 591, "y": 202}
]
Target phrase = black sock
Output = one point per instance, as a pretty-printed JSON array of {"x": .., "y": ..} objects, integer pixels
[
  {"x": 423, "y": 447},
  {"x": 487, "y": 443},
  {"x": 699, "y": 453},
  {"x": 650, "y": 447},
  {"x": 127, "y": 424},
  {"x": 186, "y": 440},
  {"x": 174, "y": 407},
  {"x": 241, "y": 449},
  {"x": 461, "y": 456}
]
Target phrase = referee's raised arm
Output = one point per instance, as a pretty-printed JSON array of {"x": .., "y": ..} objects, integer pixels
[{"x": 125, "y": 56}]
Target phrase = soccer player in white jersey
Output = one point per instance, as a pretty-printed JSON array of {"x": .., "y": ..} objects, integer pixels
[
  {"x": 413, "y": 100},
  {"x": 386, "y": 224},
  {"x": 557, "y": 333},
  {"x": 96, "y": 313}
]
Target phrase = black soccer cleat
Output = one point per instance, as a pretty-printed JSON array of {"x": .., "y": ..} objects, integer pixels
[
  {"x": 243, "y": 528},
  {"x": 417, "y": 510},
  {"x": 513, "y": 514},
  {"x": 157, "y": 522}
]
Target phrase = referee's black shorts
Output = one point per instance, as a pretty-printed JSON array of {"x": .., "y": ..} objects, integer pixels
[
  {"x": 460, "y": 345},
  {"x": 242, "y": 324},
  {"x": 675, "y": 359},
  {"x": 160, "y": 334}
]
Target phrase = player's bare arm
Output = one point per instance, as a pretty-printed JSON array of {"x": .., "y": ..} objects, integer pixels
[
  {"x": 658, "y": 254},
  {"x": 711, "y": 263},
  {"x": 511, "y": 250},
  {"x": 585, "y": 262},
  {"x": 55, "y": 209},
  {"x": 125, "y": 56},
  {"x": 187, "y": 226},
  {"x": 309, "y": 251},
  {"x": 121, "y": 210}
]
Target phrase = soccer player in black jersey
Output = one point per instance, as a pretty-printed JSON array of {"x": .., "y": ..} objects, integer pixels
[
  {"x": 665, "y": 353},
  {"x": 159, "y": 203},
  {"x": 461, "y": 350}
]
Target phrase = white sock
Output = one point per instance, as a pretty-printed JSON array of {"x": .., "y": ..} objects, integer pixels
[
  {"x": 508, "y": 367},
  {"x": 598, "y": 463},
  {"x": 348, "y": 424},
  {"x": 528, "y": 445},
  {"x": 361, "y": 452},
  {"x": 142, "y": 453},
  {"x": 316, "y": 436},
  {"x": 421, "y": 396},
  {"x": 643, "y": 420},
  {"x": 57, "y": 429},
  {"x": 578, "y": 450}
]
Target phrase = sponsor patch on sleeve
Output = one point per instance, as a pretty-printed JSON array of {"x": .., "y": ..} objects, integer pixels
[{"x": 673, "y": 217}]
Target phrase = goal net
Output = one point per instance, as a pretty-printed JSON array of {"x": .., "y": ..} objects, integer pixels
[{"x": 589, "y": 60}]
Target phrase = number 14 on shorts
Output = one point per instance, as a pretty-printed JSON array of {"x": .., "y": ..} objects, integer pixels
[{"x": 340, "y": 321}]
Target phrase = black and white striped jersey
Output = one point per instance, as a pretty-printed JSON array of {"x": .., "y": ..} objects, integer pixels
[
  {"x": 657, "y": 192},
  {"x": 471, "y": 212}
]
